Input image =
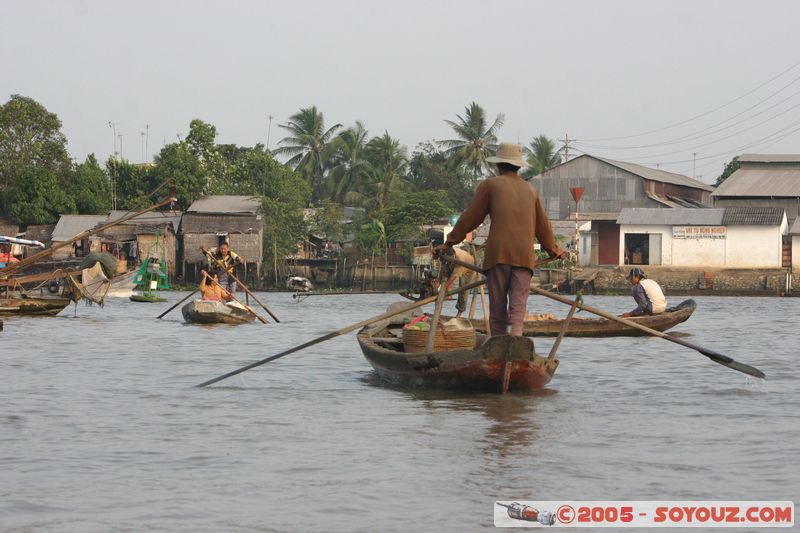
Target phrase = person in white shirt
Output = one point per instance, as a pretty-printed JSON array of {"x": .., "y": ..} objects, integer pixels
[{"x": 649, "y": 297}]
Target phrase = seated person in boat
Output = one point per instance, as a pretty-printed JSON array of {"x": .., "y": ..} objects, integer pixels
[
  {"x": 210, "y": 288},
  {"x": 649, "y": 297},
  {"x": 463, "y": 275},
  {"x": 222, "y": 262}
]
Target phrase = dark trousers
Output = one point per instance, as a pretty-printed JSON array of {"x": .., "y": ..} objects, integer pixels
[
  {"x": 509, "y": 287},
  {"x": 226, "y": 282}
]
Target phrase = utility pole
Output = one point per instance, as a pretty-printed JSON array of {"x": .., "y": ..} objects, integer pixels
[
  {"x": 120, "y": 146},
  {"x": 146, "y": 141},
  {"x": 694, "y": 157},
  {"x": 113, "y": 126},
  {"x": 141, "y": 134},
  {"x": 566, "y": 147},
  {"x": 269, "y": 129}
]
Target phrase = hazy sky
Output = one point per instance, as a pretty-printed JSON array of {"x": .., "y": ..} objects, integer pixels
[{"x": 592, "y": 69}]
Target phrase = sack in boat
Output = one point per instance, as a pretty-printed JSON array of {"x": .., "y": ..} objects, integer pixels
[
  {"x": 450, "y": 336},
  {"x": 107, "y": 261}
]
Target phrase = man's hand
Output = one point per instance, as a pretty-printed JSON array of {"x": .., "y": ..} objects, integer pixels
[
  {"x": 562, "y": 254},
  {"x": 442, "y": 248},
  {"x": 627, "y": 315}
]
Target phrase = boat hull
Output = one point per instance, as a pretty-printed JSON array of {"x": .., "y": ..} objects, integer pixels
[
  {"x": 215, "y": 312},
  {"x": 481, "y": 369},
  {"x": 32, "y": 306},
  {"x": 602, "y": 327},
  {"x": 147, "y": 298}
]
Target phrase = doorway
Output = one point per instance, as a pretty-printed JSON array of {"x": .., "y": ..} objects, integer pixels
[{"x": 642, "y": 248}]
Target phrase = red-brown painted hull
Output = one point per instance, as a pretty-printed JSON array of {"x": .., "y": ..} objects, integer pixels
[{"x": 481, "y": 369}]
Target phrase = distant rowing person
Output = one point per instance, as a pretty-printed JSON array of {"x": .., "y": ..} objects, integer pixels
[
  {"x": 518, "y": 218},
  {"x": 221, "y": 263},
  {"x": 649, "y": 297}
]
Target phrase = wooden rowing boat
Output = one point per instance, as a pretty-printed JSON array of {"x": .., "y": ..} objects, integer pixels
[
  {"x": 147, "y": 297},
  {"x": 32, "y": 306},
  {"x": 216, "y": 312},
  {"x": 603, "y": 327},
  {"x": 478, "y": 369}
]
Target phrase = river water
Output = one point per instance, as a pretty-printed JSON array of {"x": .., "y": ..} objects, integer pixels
[{"x": 102, "y": 430}]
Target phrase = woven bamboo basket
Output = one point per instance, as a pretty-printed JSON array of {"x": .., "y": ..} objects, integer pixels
[{"x": 414, "y": 340}]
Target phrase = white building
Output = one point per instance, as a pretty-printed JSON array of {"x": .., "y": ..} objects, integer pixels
[
  {"x": 795, "y": 236},
  {"x": 733, "y": 237}
]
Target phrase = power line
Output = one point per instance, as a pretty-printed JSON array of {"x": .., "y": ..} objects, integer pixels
[
  {"x": 701, "y": 114},
  {"x": 699, "y": 134},
  {"x": 745, "y": 130}
]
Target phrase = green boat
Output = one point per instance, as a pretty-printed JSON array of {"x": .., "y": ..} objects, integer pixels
[{"x": 147, "y": 298}]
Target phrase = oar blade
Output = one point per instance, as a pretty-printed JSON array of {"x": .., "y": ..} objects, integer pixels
[{"x": 742, "y": 367}]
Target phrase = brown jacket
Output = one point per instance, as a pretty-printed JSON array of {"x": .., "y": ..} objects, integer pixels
[{"x": 517, "y": 217}]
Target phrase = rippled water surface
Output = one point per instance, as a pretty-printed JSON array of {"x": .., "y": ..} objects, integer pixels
[{"x": 102, "y": 430}]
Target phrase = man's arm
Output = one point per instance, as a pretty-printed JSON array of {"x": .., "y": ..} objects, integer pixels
[
  {"x": 641, "y": 300},
  {"x": 544, "y": 231},
  {"x": 472, "y": 216}
]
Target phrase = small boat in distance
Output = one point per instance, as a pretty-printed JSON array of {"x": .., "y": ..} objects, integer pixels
[
  {"x": 481, "y": 368},
  {"x": 602, "y": 327},
  {"x": 216, "y": 312}
]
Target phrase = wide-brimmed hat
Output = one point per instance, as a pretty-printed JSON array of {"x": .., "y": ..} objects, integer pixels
[{"x": 509, "y": 153}]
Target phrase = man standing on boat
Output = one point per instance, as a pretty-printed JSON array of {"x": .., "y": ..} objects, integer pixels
[
  {"x": 517, "y": 217},
  {"x": 222, "y": 262},
  {"x": 649, "y": 297}
]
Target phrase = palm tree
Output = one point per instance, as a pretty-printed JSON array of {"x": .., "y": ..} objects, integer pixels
[
  {"x": 476, "y": 141},
  {"x": 306, "y": 146},
  {"x": 388, "y": 160},
  {"x": 349, "y": 168},
  {"x": 542, "y": 156}
]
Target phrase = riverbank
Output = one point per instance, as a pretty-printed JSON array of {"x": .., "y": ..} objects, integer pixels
[{"x": 684, "y": 281}]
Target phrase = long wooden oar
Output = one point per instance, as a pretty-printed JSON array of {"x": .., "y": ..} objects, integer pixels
[
  {"x": 177, "y": 304},
  {"x": 250, "y": 309},
  {"x": 244, "y": 287},
  {"x": 711, "y": 354},
  {"x": 338, "y": 332},
  {"x": 564, "y": 328}
]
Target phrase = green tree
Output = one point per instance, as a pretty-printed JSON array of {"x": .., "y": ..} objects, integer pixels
[
  {"x": 133, "y": 183},
  {"x": 542, "y": 156},
  {"x": 36, "y": 197},
  {"x": 178, "y": 165},
  {"x": 90, "y": 188},
  {"x": 730, "y": 168},
  {"x": 388, "y": 160},
  {"x": 328, "y": 221},
  {"x": 430, "y": 169},
  {"x": 30, "y": 136},
  {"x": 306, "y": 146},
  {"x": 476, "y": 139},
  {"x": 350, "y": 170},
  {"x": 371, "y": 238},
  {"x": 404, "y": 221}
]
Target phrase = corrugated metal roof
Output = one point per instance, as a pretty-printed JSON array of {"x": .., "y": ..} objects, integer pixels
[
  {"x": 769, "y": 158},
  {"x": 761, "y": 182},
  {"x": 152, "y": 218},
  {"x": 795, "y": 229},
  {"x": 225, "y": 204},
  {"x": 655, "y": 174},
  {"x": 70, "y": 225},
  {"x": 678, "y": 216},
  {"x": 214, "y": 224},
  {"x": 753, "y": 216}
]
